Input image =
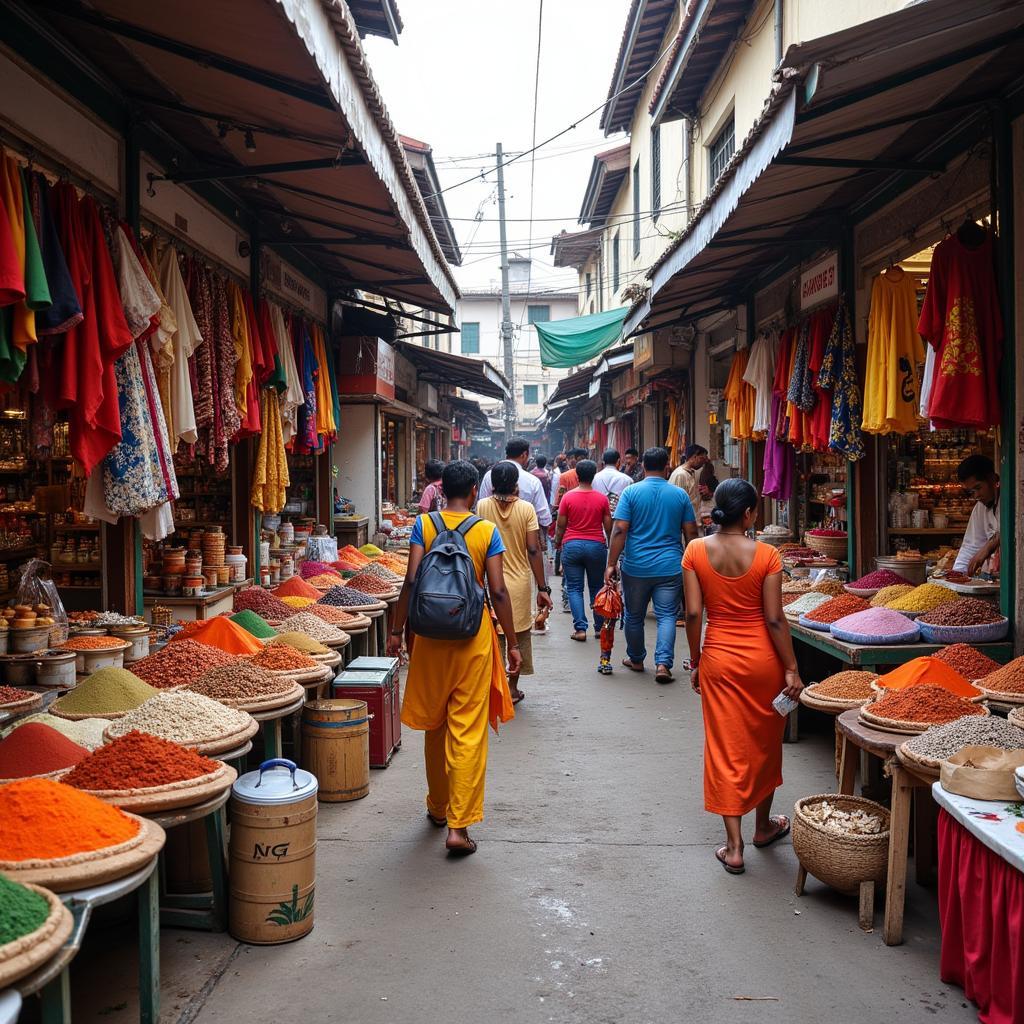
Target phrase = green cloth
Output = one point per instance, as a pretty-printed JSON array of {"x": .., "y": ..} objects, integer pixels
[{"x": 566, "y": 343}]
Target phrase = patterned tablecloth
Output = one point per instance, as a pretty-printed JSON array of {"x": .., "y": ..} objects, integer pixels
[{"x": 999, "y": 824}]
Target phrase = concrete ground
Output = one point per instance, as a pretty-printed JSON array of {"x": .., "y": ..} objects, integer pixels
[{"x": 594, "y": 896}]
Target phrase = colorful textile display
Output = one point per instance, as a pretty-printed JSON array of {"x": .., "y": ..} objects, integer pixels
[
  {"x": 270, "y": 475},
  {"x": 839, "y": 373}
]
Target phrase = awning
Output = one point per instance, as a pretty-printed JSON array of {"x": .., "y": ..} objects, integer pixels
[
  {"x": 294, "y": 129},
  {"x": 467, "y": 410},
  {"x": 571, "y": 342},
  {"x": 855, "y": 119},
  {"x": 434, "y": 367}
]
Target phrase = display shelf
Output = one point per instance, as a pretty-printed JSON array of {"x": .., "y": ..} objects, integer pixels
[
  {"x": 77, "y": 528},
  {"x": 72, "y": 568},
  {"x": 918, "y": 530},
  {"x": 17, "y": 553}
]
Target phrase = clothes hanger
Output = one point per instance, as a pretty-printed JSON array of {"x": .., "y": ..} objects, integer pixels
[{"x": 970, "y": 233}]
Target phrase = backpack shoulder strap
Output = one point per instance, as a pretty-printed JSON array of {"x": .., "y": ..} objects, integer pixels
[
  {"x": 467, "y": 524},
  {"x": 437, "y": 522}
]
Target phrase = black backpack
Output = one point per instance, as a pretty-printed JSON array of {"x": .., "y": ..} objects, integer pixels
[{"x": 447, "y": 601}]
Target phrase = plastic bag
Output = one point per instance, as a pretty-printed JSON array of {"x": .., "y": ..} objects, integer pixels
[{"x": 35, "y": 588}]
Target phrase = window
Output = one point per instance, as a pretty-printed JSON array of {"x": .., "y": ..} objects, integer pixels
[
  {"x": 471, "y": 339},
  {"x": 538, "y": 314},
  {"x": 615, "y": 263},
  {"x": 636, "y": 209},
  {"x": 721, "y": 150},
  {"x": 530, "y": 394},
  {"x": 590, "y": 282},
  {"x": 545, "y": 389},
  {"x": 656, "y": 171}
]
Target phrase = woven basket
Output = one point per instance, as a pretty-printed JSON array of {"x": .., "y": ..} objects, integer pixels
[
  {"x": 830, "y": 547},
  {"x": 911, "y": 635},
  {"x": 990, "y": 632},
  {"x": 821, "y": 627},
  {"x": 840, "y": 861}
]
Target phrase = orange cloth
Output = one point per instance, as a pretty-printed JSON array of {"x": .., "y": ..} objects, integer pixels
[
  {"x": 928, "y": 672},
  {"x": 740, "y": 676},
  {"x": 225, "y": 635},
  {"x": 296, "y": 587}
]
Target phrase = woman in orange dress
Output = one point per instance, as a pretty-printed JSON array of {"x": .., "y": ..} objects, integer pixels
[{"x": 744, "y": 661}]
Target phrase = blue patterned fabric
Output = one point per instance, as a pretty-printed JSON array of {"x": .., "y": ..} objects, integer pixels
[{"x": 839, "y": 374}]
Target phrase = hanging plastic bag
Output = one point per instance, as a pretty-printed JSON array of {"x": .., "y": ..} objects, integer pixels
[{"x": 35, "y": 589}]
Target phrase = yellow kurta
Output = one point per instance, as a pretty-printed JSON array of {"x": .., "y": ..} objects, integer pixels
[{"x": 449, "y": 692}]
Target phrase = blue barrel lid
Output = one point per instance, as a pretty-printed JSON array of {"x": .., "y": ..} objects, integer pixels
[{"x": 277, "y": 781}]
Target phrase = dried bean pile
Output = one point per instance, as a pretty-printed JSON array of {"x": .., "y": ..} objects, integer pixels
[
  {"x": 942, "y": 741},
  {"x": 797, "y": 586},
  {"x": 788, "y": 599},
  {"x": 86, "y": 732},
  {"x": 924, "y": 704},
  {"x": 180, "y": 663},
  {"x": 370, "y": 584},
  {"x": 91, "y": 643},
  {"x": 301, "y": 642},
  {"x": 138, "y": 761},
  {"x": 11, "y": 695},
  {"x": 335, "y": 616},
  {"x": 965, "y": 611},
  {"x": 382, "y": 572},
  {"x": 887, "y": 594},
  {"x": 313, "y": 626},
  {"x": 831, "y": 587},
  {"x": 1008, "y": 678},
  {"x": 182, "y": 717},
  {"x": 807, "y": 603},
  {"x": 857, "y": 822},
  {"x": 923, "y": 598},
  {"x": 262, "y": 602},
  {"x": 282, "y": 658},
  {"x": 240, "y": 681},
  {"x": 324, "y": 581},
  {"x": 849, "y": 685},
  {"x": 879, "y": 578},
  {"x": 967, "y": 660},
  {"x": 837, "y": 608},
  {"x": 346, "y": 597}
]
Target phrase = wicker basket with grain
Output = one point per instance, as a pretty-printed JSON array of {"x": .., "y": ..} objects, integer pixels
[{"x": 830, "y": 547}]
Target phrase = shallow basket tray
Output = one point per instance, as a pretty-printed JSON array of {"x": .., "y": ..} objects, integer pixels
[
  {"x": 173, "y": 794},
  {"x": 214, "y": 745},
  {"x": 821, "y": 627},
  {"x": 83, "y": 870},
  {"x": 268, "y": 703},
  {"x": 1000, "y": 697},
  {"x": 1016, "y": 717},
  {"x": 830, "y": 547},
  {"x": 912, "y": 635},
  {"x": 900, "y": 726},
  {"x": 830, "y": 705},
  {"x": 990, "y": 632},
  {"x": 58, "y": 774},
  {"x": 20, "y": 707},
  {"x": 917, "y": 762},
  {"x": 23, "y": 955}
]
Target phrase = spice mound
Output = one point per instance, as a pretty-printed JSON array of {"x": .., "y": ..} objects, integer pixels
[
  {"x": 44, "y": 820},
  {"x": 930, "y": 704},
  {"x": 801, "y": 586},
  {"x": 108, "y": 691},
  {"x": 296, "y": 587},
  {"x": 92, "y": 643},
  {"x": 12, "y": 695},
  {"x": 857, "y": 822},
  {"x": 382, "y": 572},
  {"x": 311, "y": 568},
  {"x": 965, "y": 611},
  {"x": 879, "y": 578},
  {"x": 325, "y": 581},
  {"x": 22, "y": 911},
  {"x": 301, "y": 642},
  {"x": 837, "y": 608},
  {"x": 86, "y": 732},
  {"x": 788, "y": 599},
  {"x": 923, "y": 598},
  {"x": 313, "y": 626},
  {"x": 253, "y": 623},
  {"x": 849, "y": 685},
  {"x": 293, "y": 601},
  {"x": 223, "y": 634},
  {"x": 335, "y": 616},
  {"x": 37, "y": 749},
  {"x": 807, "y": 603},
  {"x": 827, "y": 586},
  {"x": 887, "y": 594},
  {"x": 370, "y": 584},
  {"x": 138, "y": 761},
  {"x": 241, "y": 680},
  {"x": 183, "y": 717},
  {"x": 346, "y": 597},
  {"x": 967, "y": 660},
  {"x": 1008, "y": 678},
  {"x": 282, "y": 658},
  {"x": 928, "y": 672},
  {"x": 181, "y": 662},
  {"x": 880, "y": 622},
  {"x": 943, "y": 741},
  {"x": 262, "y": 602}
]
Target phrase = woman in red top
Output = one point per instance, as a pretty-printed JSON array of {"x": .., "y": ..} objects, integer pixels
[{"x": 584, "y": 524}]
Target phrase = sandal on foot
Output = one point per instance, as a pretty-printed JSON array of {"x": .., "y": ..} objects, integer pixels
[
  {"x": 580, "y": 636},
  {"x": 782, "y": 824},
  {"x": 664, "y": 677},
  {"x": 517, "y": 697},
  {"x": 720, "y": 854},
  {"x": 439, "y": 822},
  {"x": 461, "y": 851},
  {"x": 632, "y": 665}
]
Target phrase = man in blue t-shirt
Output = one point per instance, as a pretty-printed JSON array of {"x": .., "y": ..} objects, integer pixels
[{"x": 652, "y": 520}]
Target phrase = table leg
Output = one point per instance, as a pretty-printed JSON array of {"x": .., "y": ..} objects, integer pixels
[
  {"x": 926, "y": 825},
  {"x": 866, "y": 917},
  {"x": 149, "y": 950},
  {"x": 848, "y": 757},
  {"x": 371, "y": 640},
  {"x": 801, "y": 880},
  {"x": 899, "y": 833},
  {"x": 215, "y": 851},
  {"x": 271, "y": 738},
  {"x": 55, "y": 1000}
]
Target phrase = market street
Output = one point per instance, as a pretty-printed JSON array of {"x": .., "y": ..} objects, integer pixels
[{"x": 595, "y": 895}]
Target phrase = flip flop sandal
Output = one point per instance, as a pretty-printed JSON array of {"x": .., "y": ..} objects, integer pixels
[
  {"x": 720, "y": 857},
  {"x": 438, "y": 822},
  {"x": 632, "y": 666},
  {"x": 517, "y": 698},
  {"x": 462, "y": 851},
  {"x": 580, "y": 637},
  {"x": 664, "y": 677},
  {"x": 777, "y": 820}
]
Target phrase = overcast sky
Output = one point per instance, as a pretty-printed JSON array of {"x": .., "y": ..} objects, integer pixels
[{"x": 461, "y": 79}]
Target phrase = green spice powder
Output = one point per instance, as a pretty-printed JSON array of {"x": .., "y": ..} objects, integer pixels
[
  {"x": 21, "y": 911},
  {"x": 253, "y": 623}
]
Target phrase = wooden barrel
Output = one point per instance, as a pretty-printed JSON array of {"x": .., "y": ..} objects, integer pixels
[
  {"x": 336, "y": 748},
  {"x": 272, "y": 854}
]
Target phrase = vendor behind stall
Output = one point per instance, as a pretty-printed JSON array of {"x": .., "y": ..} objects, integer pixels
[{"x": 978, "y": 475}]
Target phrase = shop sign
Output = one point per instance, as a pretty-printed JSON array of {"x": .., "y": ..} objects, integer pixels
[
  {"x": 426, "y": 397},
  {"x": 662, "y": 349},
  {"x": 636, "y": 397},
  {"x": 643, "y": 351},
  {"x": 292, "y": 286},
  {"x": 624, "y": 382},
  {"x": 405, "y": 376},
  {"x": 366, "y": 367},
  {"x": 820, "y": 283}
]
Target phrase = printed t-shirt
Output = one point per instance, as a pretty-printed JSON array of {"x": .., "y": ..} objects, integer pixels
[
  {"x": 656, "y": 512},
  {"x": 584, "y": 512}
]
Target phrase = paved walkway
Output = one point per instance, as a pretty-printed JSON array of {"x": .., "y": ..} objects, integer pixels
[{"x": 594, "y": 897}]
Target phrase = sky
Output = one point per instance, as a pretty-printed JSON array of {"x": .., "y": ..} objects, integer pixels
[{"x": 462, "y": 79}]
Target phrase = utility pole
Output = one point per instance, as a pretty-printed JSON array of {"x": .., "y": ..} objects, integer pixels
[{"x": 506, "y": 312}]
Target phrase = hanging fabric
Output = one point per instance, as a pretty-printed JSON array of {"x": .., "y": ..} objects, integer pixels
[
  {"x": 186, "y": 339},
  {"x": 819, "y": 423},
  {"x": 270, "y": 473},
  {"x": 758, "y": 374},
  {"x": 779, "y": 457},
  {"x": 839, "y": 374},
  {"x": 65, "y": 310}
]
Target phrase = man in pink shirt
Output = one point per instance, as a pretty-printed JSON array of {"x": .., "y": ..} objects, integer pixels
[{"x": 432, "y": 498}]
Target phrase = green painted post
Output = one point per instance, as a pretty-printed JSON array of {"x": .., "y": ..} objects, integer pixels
[
  {"x": 149, "y": 949},
  {"x": 55, "y": 1000},
  {"x": 218, "y": 870}
]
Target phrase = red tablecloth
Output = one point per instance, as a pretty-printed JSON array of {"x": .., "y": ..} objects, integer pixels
[{"x": 981, "y": 911}]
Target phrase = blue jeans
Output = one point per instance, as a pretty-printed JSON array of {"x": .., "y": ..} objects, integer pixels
[
  {"x": 583, "y": 558},
  {"x": 664, "y": 592}
]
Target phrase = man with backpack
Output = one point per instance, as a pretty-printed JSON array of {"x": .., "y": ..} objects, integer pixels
[{"x": 456, "y": 680}]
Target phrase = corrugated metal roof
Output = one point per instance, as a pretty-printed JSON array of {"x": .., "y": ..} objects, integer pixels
[{"x": 607, "y": 173}]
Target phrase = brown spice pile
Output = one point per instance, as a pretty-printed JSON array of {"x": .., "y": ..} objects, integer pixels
[
  {"x": 931, "y": 704},
  {"x": 850, "y": 685}
]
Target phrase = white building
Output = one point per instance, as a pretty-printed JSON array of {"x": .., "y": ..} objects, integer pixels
[{"x": 479, "y": 315}]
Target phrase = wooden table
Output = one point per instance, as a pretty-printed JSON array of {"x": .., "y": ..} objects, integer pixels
[
  {"x": 209, "y": 606},
  {"x": 857, "y": 736},
  {"x": 360, "y": 645},
  {"x": 377, "y": 640},
  {"x": 272, "y": 725}
]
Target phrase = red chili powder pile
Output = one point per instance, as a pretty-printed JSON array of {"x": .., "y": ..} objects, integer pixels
[
  {"x": 138, "y": 761},
  {"x": 930, "y": 704},
  {"x": 36, "y": 749},
  {"x": 967, "y": 660},
  {"x": 296, "y": 587},
  {"x": 832, "y": 611}
]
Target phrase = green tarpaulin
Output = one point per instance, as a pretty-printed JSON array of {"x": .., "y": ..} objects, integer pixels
[{"x": 572, "y": 342}]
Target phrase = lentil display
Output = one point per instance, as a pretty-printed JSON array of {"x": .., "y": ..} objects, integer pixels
[
  {"x": 382, "y": 572},
  {"x": 943, "y": 741},
  {"x": 281, "y": 658},
  {"x": 1008, "y": 678},
  {"x": 312, "y": 626},
  {"x": 224, "y": 635},
  {"x": 22, "y": 911},
  {"x": 346, "y": 597},
  {"x": 138, "y": 761},
  {"x": 108, "y": 691},
  {"x": 878, "y": 579},
  {"x": 370, "y": 584},
  {"x": 967, "y": 660},
  {"x": 91, "y": 643},
  {"x": 965, "y": 611},
  {"x": 931, "y": 704},
  {"x": 301, "y": 642},
  {"x": 11, "y": 695},
  {"x": 183, "y": 717},
  {"x": 788, "y": 599},
  {"x": 310, "y": 568},
  {"x": 180, "y": 662},
  {"x": 797, "y": 586},
  {"x": 242, "y": 680},
  {"x": 837, "y": 608},
  {"x": 325, "y": 581},
  {"x": 261, "y": 601},
  {"x": 887, "y": 594},
  {"x": 928, "y": 671},
  {"x": 253, "y": 623},
  {"x": 44, "y": 819},
  {"x": 37, "y": 750},
  {"x": 848, "y": 685},
  {"x": 86, "y": 732},
  {"x": 923, "y": 598}
]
